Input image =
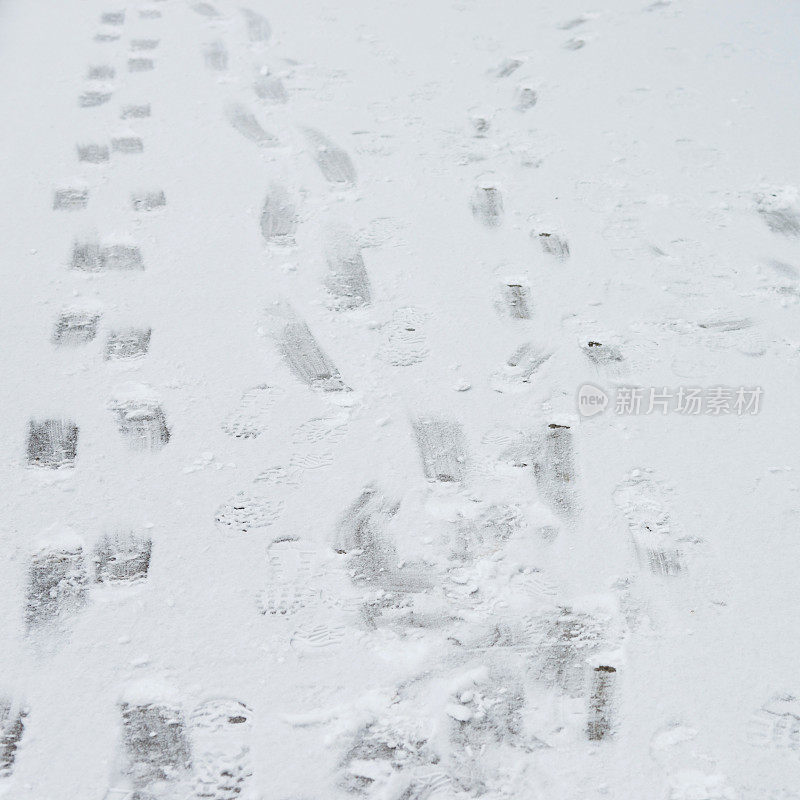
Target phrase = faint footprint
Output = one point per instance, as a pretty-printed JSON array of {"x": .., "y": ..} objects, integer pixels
[
  {"x": 278, "y": 217},
  {"x": 245, "y": 123},
  {"x": 779, "y": 209},
  {"x": 487, "y": 203},
  {"x": 93, "y": 153},
  {"x": 515, "y": 300},
  {"x": 527, "y": 97},
  {"x": 553, "y": 245},
  {"x": 144, "y": 44},
  {"x": 312, "y": 638},
  {"x": 311, "y": 460},
  {"x": 112, "y": 18},
  {"x": 347, "y": 280},
  {"x": 148, "y": 201},
  {"x": 258, "y": 28},
  {"x": 292, "y": 566},
  {"x": 776, "y": 725},
  {"x": 280, "y": 476},
  {"x": 318, "y": 429},
  {"x": 270, "y": 89},
  {"x": 655, "y": 538},
  {"x": 70, "y": 199},
  {"x": 246, "y": 512},
  {"x": 141, "y": 64},
  {"x": 127, "y": 344},
  {"x": 215, "y": 55},
  {"x": 442, "y": 448},
  {"x": 94, "y": 97},
  {"x": 75, "y": 327},
  {"x": 135, "y": 112},
  {"x": 100, "y": 72},
  {"x": 127, "y": 144},
  {"x": 333, "y": 162},
  {"x": 252, "y": 418},
  {"x": 206, "y": 10},
  {"x": 405, "y": 340}
]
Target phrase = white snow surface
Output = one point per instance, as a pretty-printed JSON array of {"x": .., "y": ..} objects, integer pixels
[{"x": 393, "y": 622}]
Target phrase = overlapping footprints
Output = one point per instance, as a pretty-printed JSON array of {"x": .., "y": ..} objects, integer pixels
[
  {"x": 566, "y": 638},
  {"x": 305, "y": 585},
  {"x": 162, "y": 753},
  {"x": 361, "y": 533},
  {"x": 441, "y": 442}
]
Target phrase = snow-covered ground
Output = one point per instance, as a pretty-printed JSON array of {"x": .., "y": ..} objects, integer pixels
[{"x": 298, "y": 501}]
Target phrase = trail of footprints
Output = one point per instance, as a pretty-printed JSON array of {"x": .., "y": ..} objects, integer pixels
[{"x": 62, "y": 574}]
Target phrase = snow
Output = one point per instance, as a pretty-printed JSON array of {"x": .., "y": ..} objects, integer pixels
[{"x": 382, "y": 247}]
